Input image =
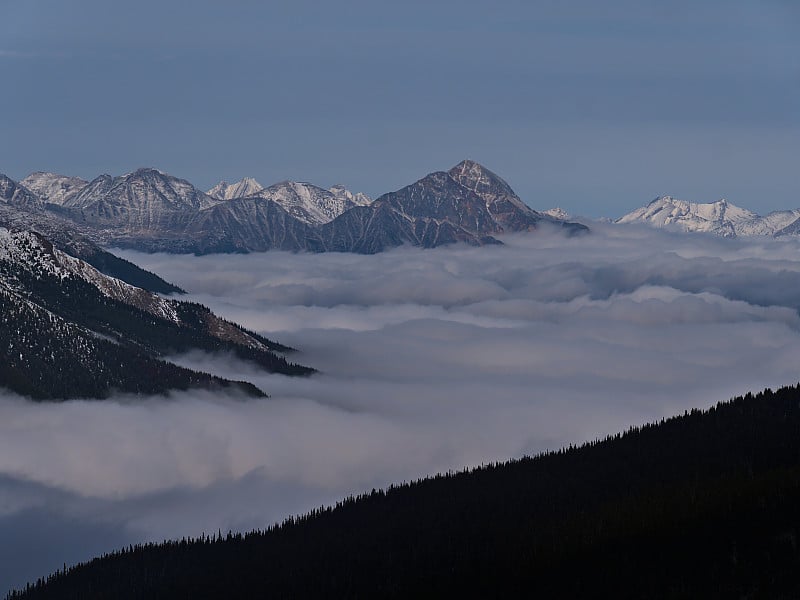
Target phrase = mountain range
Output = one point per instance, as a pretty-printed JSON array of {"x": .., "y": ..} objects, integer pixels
[
  {"x": 70, "y": 331},
  {"x": 152, "y": 211},
  {"x": 720, "y": 218}
]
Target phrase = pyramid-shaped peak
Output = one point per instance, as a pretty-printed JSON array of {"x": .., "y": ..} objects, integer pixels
[{"x": 479, "y": 179}]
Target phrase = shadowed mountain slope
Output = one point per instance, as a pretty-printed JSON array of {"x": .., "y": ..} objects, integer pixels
[
  {"x": 700, "y": 505},
  {"x": 69, "y": 331}
]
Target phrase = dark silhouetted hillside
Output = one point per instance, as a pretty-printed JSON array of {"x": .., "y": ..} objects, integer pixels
[{"x": 702, "y": 505}]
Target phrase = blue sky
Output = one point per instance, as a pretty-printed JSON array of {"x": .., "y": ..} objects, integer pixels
[{"x": 596, "y": 107}]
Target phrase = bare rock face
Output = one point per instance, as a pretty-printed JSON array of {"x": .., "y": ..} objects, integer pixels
[
  {"x": 507, "y": 209},
  {"x": 468, "y": 204},
  {"x": 252, "y": 224}
]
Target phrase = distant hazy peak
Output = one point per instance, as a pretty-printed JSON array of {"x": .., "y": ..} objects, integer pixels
[
  {"x": 557, "y": 213},
  {"x": 348, "y": 197},
  {"x": 246, "y": 186},
  {"x": 52, "y": 187},
  {"x": 311, "y": 204},
  {"x": 720, "y": 217}
]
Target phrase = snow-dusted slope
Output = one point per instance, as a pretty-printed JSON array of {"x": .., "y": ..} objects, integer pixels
[
  {"x": 775, "y": 223},
  {"x": 720, "y": 218},
  {"x": 68, "y": 330},
  {"x": 36, "y": 254},
  {"x": 244, "y": 187},
  {"x": 12, "y": 193},
  {"x": 311, "y": 204},
  {"x": 138, "y": 203},
  {"x": 54, "y": 188}
]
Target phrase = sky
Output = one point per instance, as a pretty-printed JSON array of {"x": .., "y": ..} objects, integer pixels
[
  {"x": 594, "y": 107},
  {"x": 428, "y": 360}
]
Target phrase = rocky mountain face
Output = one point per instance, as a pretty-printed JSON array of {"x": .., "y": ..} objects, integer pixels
[
  {"x": 54, "y": 188},
  {"x": 468, "y": 204},
  {"x": 69, "y": 331},
  {"x": 152, "y": 211},
  {"x": 720, "y": 218},
  {"x": 145, "y": 202},
  {"x": 251, "y": 224},
  {"x": 507, "y": 210}
]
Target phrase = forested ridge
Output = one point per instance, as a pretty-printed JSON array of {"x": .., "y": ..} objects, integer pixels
[
  {"x": 62, "y": 336},
  {"x": 706, "y": 504}
]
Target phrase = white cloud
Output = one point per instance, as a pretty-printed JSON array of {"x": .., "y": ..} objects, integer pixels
[{"x": 429, "y": 360}]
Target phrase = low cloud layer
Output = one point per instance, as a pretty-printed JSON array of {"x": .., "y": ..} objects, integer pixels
[{"x": 429, "y": 360}]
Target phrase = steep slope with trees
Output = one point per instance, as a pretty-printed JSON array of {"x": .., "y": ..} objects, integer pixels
[
  {"x": 67, "y": 330},
  {"x": 701, "y": 505}
]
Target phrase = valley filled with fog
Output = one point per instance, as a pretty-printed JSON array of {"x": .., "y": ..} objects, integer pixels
[{"x": 429, "y": 360}]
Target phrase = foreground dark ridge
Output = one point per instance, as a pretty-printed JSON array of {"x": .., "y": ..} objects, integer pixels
[{"x": 701, "y": 505}]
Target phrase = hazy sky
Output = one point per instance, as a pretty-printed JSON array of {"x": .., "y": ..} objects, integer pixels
[
  {"x": 429, "y": 360},
  {"x": 594, "y": 106}
]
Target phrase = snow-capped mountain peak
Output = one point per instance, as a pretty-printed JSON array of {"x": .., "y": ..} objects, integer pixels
[
  {"x": 52, "y": 187},
  {"x": 242, "y": 188},
  {"x": 720, "y": 217},
  {"x": 311, "y": 204}
]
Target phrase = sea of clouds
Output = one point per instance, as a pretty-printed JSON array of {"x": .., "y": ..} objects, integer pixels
[{"x": 428, "y": 360}]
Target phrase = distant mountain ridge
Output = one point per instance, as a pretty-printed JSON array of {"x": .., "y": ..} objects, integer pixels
[
  {"x": 720, "y": 218},
  {"x": 152, "y": 211}
]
